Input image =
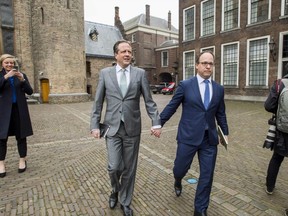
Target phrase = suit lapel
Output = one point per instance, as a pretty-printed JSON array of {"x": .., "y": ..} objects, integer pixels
[
  {"x": 214, "y": 93},
  {"x": 113, "y": 76},
  {"x": 132, "y": 77},
  {"x": 196, "y": 91}
]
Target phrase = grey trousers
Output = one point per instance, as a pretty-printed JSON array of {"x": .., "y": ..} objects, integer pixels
[{"x": 122, "y": 163}]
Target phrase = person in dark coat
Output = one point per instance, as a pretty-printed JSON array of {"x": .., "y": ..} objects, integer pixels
[{"x": 14, "y": 112}]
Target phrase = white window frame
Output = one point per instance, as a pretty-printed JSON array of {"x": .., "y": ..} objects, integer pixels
[
  {"x": 249, "y": 13},
  {"x": 192, "y": 66},
  {"x": 163, "y": 60},
  {"x": 213, "y": 32},
  {"x": 247, "y": 60},
  {"x": 223, "y": 16},
  {"x": 194, "y": 21},
  {"x": 222, "y": 63},
  {"x": 283, "y": 8}
]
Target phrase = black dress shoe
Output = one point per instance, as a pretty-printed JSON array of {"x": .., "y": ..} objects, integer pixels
[
  {"x": 200, "y": 214},
  {"x": 2, "y": 175},
  {"x": 178, "y": 187},
  {"x": 127, "y": 211},
  {"x": 24, "y": 169},
  {"x": 113, "y": 200}
]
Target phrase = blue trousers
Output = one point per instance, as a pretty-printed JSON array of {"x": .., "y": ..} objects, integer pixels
[{"x": 207, "y": 159}]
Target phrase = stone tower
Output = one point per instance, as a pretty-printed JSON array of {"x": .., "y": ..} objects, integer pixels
[{"x": 49, "y": 43}]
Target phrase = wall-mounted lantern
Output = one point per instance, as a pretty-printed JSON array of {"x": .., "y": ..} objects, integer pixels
[{"x": 272, "y": 48}]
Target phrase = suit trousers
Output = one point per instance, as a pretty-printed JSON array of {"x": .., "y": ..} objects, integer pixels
[
  {"x": 207, "y": 159},
  {"x": 122, "y": 153}
]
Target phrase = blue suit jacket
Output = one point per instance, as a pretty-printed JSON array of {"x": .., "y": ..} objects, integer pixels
[{"x": 191, "y": 127}]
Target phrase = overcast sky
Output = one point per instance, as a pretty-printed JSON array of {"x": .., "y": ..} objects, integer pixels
[{"x": 103, "y": 11}]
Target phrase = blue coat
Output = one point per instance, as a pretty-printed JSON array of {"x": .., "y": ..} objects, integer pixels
[{"x": 194, "y": 116}]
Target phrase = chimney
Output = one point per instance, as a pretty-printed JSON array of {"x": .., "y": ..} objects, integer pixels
[
  {"x": 116, "y": 17},
  {"x": 169, "y": 20},
  {"x": 148, "y": 15}
]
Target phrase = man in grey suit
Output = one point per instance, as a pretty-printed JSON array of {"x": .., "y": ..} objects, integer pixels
[{"x": 122, "y": 86}]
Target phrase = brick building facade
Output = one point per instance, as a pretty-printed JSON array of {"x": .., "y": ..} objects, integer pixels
[
  {"x": 249, "y": 40},
  {"x": 148, "y": 33}
]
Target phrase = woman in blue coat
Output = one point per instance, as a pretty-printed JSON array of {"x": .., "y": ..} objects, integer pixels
[{"x": 14, "y": 113}]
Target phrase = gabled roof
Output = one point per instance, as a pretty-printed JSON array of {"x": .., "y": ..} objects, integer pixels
[
  {"x": 106, "y": 36},
  {"x": 155, "y": 22}
]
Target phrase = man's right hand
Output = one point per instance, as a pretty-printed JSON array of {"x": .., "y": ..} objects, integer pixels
[{"x": 96, "y": 133}]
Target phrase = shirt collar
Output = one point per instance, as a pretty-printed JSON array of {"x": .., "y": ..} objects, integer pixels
[
  {"x": 201, "y": 80},
  {"x": 118, "y": 68}
]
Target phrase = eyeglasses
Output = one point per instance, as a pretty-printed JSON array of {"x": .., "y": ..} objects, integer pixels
[{"x": 205, "y": 64}]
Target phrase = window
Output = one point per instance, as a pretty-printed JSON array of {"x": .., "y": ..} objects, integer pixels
[
  {"x": 208, "y": 17},
  {"x": 285, "y": 46},
  {"x": 189, "y": 64},
  {"x": 133, "y": 38},
  {"x": 284, "y": 8},
  {"x": 211, "y": 49},
  {"x": 230, "y": 64},
  {"x": 258, "y": 60},
  {"x": 259, "y": 11},
  {"x": 88, "y": 69},
  {"x": 230, "y": 14},
  {"x": 164, "y": 57},
  {"x": 134, "y": 56},
  {"x": 189, "y": 24}
]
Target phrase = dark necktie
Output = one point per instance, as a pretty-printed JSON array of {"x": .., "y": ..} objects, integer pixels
[{"x": 206, "y": 94}]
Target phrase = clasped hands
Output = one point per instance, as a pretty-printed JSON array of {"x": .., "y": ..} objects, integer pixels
[{"x": 156, "y": 132}]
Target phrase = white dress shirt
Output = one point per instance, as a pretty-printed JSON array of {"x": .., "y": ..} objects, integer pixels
[{"x": 202, "y": 84}]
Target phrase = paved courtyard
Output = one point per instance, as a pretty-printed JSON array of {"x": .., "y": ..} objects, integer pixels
[{"x": 67, "y": 175}]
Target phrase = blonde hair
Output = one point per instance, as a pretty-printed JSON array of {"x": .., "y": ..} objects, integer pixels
[{"x": 5, "y": 56}]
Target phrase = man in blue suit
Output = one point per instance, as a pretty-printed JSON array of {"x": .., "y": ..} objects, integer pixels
[{"x": 203, "y": 105}]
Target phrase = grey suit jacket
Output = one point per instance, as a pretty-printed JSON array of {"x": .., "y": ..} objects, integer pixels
[{"x": 129, "y": 105}]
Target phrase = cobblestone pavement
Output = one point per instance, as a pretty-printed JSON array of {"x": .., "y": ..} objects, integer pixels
[{"x": 67, "y": 175}]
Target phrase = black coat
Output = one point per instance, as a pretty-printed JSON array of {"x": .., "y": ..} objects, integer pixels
[{"x": 22, "y": 88}]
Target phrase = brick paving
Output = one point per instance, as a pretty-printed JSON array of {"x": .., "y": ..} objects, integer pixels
[{"x": 67, "y": 175}]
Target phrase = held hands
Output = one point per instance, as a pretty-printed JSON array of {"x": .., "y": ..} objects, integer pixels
[
  {"x": 96, "y": 133},
  {"x": 156, "y": 132}
]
